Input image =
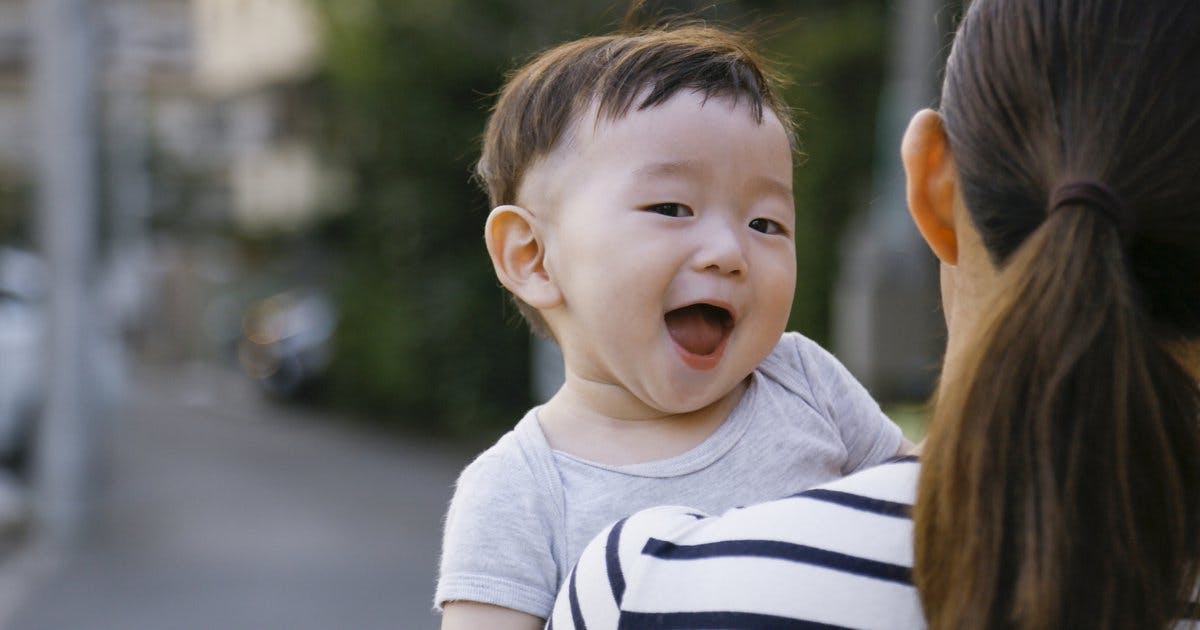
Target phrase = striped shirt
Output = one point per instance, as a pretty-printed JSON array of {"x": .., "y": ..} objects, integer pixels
[{"x": 837, "y": 556}]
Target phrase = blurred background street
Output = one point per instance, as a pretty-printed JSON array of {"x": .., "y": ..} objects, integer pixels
[
  {"x": 221, "y": 511},
  {"x": 249, "y": 330}
]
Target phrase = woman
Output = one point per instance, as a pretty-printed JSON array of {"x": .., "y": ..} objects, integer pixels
[{"x": 1060, "y": 485}]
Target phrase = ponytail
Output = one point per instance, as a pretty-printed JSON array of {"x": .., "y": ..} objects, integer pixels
[{"x": 1060, "y": 485}]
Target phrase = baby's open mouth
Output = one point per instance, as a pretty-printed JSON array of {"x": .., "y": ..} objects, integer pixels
[{"x": 699, "y": 328}]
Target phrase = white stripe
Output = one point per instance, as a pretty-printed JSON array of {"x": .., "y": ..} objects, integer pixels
[
  {"x": 772, "y": 587},
  {"x": 561, "y": 615},
  {"x": 806, "y": 522},
  {"x": 591, "y": 576}
]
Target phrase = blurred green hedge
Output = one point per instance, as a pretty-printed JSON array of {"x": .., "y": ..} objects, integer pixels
[{"x": 426, "y": 338}]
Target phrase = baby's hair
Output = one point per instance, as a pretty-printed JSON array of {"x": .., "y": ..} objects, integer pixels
[
  {"x": 616, "y": 73},
  {"x": 1060, "y": 487}
]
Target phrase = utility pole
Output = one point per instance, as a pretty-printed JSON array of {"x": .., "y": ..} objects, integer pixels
[
  {"x": 888, "y": 326},
  {"x": 64, "y": 99}
]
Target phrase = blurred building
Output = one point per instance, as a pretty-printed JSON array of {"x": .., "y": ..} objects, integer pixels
[
  {"x": 252, "y": 59},
  {"x": 199, "y": 121},
  {"x": 199, "y": 89},
  {"x": 243, "y": 45}
]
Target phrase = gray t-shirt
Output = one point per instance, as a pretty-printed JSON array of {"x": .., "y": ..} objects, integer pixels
[{"x": 522, "y": 512}]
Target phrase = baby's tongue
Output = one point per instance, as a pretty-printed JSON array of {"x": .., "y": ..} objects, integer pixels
[{"x": 698, "y": 328}]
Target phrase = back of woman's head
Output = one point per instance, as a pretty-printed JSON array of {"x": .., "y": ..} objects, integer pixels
[{"x": 1061, "y": 482}]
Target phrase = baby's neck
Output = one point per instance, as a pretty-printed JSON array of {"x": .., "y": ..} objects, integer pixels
[{"x": 628, "y": 434}]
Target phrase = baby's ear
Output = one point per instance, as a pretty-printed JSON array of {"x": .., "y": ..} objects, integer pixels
[
  {"x": 519, "y": 256},
  {"x": 932, "y": 183}
]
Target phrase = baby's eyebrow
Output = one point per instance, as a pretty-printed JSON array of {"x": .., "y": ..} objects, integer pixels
[
  {"x": 772, "y": 186},
  {"x": 669, "y": 169},
  {"x": 686, "y": 168}
]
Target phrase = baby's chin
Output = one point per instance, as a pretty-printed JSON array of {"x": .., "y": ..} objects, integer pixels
[{"x": 700, "y": 396}]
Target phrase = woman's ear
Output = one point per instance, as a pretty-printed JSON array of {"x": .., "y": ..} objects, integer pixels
[
  {"x": 932, "y": 183},
  {"x": 518, "y": 255}
]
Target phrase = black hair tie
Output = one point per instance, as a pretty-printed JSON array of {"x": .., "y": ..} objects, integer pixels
[{"x": 1096, "y": 196}]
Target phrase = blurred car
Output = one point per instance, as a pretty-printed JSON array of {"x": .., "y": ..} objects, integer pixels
[
  {"x": 22, "y": 329},
  {"x": 286, "y": 340}
]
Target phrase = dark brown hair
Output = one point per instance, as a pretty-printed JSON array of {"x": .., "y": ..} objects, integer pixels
[
  {"x": 1061, "y": 481},
  {"x": 637, "y": 69}
]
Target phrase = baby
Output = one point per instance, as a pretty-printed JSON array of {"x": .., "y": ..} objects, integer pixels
[{"x": 643, "y": 219}]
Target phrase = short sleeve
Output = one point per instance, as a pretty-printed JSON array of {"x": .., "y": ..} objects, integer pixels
[
  {"x": 870, "y": 437},
  {"x": 498, "y": 545}
]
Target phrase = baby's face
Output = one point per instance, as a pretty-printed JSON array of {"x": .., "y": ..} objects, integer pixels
[{"x": 670, "y": 234}]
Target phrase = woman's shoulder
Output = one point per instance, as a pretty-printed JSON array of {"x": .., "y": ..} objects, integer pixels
[
  {"x": 836, "y": 515},
  {"x": 793, "y": 558},
  {"x": 894, "y": 481},
  {"x": 887, "y": 490}
]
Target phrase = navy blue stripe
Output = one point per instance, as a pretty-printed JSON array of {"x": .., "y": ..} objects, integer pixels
[
  {"x": 859, "y": 502},
  {"x": 576, "y": 613},
  {"x": 612, "y": 559},
  {"x": 724, "y": 620},
  {"x": 780, "y": 551},
  {"x": 901, "y": 459}
]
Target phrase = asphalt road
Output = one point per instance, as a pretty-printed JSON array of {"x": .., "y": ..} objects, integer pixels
[{"x": 223, "y": 511}]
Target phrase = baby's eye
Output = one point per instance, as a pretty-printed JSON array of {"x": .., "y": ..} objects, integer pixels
[
  {"x": 670, "y": 209},
  {"x": 767, "y": 226}
]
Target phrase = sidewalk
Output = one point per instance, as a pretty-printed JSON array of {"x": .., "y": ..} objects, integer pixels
[{"x": 222, "y": 511}]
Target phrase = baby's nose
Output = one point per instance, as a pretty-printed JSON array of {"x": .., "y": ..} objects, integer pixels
[{"x": 721, "y": 251}]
